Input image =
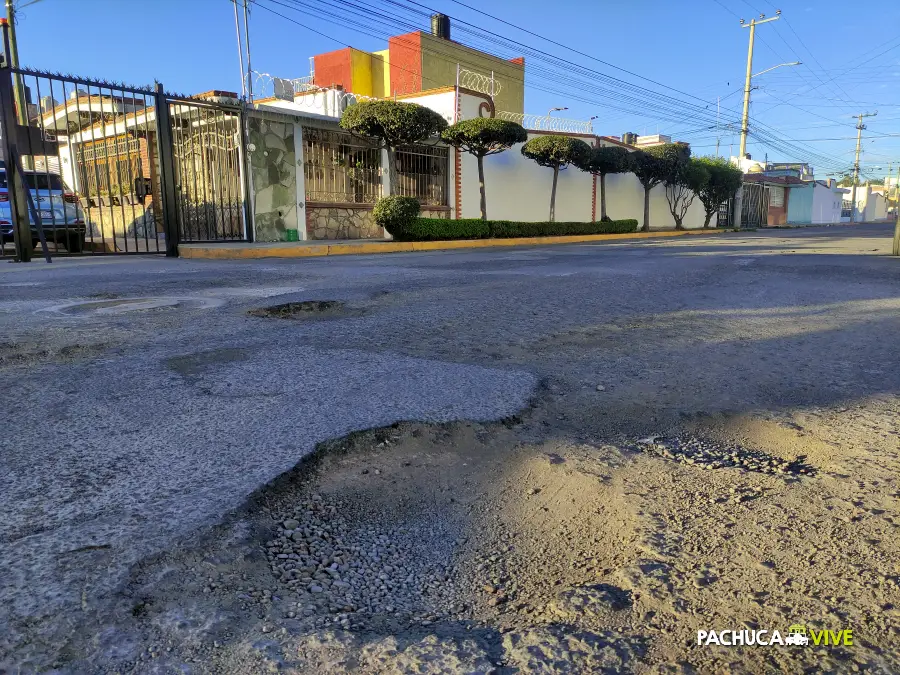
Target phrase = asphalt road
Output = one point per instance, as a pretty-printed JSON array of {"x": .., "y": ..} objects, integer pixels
[{"x": 133, "y": 420}]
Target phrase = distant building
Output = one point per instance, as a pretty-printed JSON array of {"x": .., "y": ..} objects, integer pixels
[
  {"x": 798, "y": 169},
  {"x": 816, "y": 202},
  {"x": 649, "y": 141},
  {"x": 421, "y": 61}
]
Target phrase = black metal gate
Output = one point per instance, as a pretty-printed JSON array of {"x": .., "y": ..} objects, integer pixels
[
  {"x": 207, "y": 163},
  {"x": 754, "y": 207},
  {"x": 81, "y": 166},
  {"x": 93, "y": 167}
]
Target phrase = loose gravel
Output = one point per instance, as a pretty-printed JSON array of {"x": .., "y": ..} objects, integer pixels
[
  {"x": 709, "y": 455},
  {"x": 295, "y": 310},
  {"x": 345, "y": 573}
]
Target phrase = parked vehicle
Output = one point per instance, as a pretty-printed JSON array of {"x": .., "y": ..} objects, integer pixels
[{"x": 62, "y": 217}]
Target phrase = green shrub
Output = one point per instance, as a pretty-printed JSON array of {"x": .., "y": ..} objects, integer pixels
[
  {"x": 394, "y": 212},
  {"x": 438, "y": 229}
]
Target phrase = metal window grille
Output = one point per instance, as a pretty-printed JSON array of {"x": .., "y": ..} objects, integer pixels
[
  {"x": 846, "y": 208},
  {"x": 340, "y": 168},
  {"x": 422, "y": 173}
]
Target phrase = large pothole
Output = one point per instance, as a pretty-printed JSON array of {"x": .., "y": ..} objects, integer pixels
[{"x": 306, "y": 309}]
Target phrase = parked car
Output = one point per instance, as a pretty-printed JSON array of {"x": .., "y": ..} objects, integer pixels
[{"x": 58, "y": 207}]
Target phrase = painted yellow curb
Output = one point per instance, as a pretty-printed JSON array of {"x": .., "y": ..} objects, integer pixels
[{"x": 251, "y": 251}]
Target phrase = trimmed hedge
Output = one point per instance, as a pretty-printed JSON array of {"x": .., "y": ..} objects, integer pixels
[{"x": 438, "y": 229}]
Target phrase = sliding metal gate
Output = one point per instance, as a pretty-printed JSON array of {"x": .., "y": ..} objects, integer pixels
[
  {"x": 89, "y": 164},
  {"x": 95, "y": 167}
]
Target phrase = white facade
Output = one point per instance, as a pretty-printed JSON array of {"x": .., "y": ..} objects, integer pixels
[
  {"x": 870, "y": 205},
  {"x": 826, "y": 204}
]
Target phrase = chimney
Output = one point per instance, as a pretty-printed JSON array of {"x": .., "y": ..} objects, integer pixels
[{"x": 440, "y": 26}]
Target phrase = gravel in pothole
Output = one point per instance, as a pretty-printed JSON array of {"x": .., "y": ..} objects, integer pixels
[
  {"x": 710, "y": 455},
  {"x": 345, "y": 572},
  {"x": 300, "y": 310}
]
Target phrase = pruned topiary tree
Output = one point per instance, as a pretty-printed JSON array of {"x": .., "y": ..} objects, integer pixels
[
  {"x": 657, "y": 165},
  {"x": 605, "y": 160},
  {"x": 483, "y": 136},
  {"x": 682, "y": 187},
  {"x": 724, "y": 181},
  {"x": 392, "y": 124},
  {"x": 556, "y": 152}
]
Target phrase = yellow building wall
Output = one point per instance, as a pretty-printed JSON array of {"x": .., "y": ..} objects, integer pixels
[
  {"x": 361, "y": 72},
  {"x": 381, "y": 73},
  {"x": 439, "y": 59}
]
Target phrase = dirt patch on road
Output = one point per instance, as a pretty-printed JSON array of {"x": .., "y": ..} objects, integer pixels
[{"x": 490, "y": 548}]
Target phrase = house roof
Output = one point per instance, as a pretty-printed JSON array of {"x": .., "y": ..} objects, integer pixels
[{"x": 616, "y": 141}]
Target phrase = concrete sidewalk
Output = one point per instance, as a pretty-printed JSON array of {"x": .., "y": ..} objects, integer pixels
[{"x": 306, "y": 249}]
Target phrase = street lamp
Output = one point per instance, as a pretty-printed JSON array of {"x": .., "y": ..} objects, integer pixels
[
  {"x": 780, "y": 65},
  {"x": 553, "y": 110}
]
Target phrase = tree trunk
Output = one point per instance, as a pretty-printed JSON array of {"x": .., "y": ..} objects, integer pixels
[
  {"x": 602, "y": 196},
  {"x": 709, "y": 215},
  {"x": 553, "y": 195},
  {"x": 679, "y": 222},
  {"x": 481, "y": 187},
  {"x": 646, "y": 227}
]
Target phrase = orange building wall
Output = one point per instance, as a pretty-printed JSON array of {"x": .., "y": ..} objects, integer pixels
[
  {"x": 333, "y": 68},
  {"x": 406, "y": 64}
]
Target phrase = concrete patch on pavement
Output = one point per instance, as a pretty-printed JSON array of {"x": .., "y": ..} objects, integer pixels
[{"x": 120, "y": 467}]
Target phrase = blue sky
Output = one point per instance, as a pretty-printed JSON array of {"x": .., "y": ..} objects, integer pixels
[{"x": 696, "y": 47}]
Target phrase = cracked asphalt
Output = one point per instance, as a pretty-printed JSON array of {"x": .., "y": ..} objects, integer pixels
[{"x": 142, "y": 401}]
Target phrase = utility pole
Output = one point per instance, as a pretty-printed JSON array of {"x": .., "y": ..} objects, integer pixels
[
  {"x": 718, "y": 135},
  {"x": 859, "y": 129},
  {"x": 247, "y": 37},
  {"x": 18, "y": 89},
  {"x": 745, "y": 118},
  {"x": 237, "y": 28},
  {"x": 896, "y": 249}
]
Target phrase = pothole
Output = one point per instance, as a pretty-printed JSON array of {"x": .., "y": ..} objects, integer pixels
[
  {"x": 112, "y": 307},
  {"x": 305, "y": 309},
  {"x": 18, "y": 353},
  {"x": 711, "y": 455}
]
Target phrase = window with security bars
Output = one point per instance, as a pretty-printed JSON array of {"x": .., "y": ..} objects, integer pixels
[
  {"x": 340, "y": 168},
  {"x": 422, "y": 173},
  {"x": 108, "y": 167}
]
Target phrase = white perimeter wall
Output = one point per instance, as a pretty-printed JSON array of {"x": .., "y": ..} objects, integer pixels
[
  {"x": 519, "y": 189},
  {"x": 826, "y": 205}
]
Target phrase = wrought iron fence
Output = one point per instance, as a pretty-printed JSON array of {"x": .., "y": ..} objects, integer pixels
[
  {"x": 87, "y": 150},
  {"x": 340, "y": 168},
  {"x": 422, "y": 173}
]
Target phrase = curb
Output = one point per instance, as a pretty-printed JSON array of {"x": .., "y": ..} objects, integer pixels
[{"x": 253, "y": 251}]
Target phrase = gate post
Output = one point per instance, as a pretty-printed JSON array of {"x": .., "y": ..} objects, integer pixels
[
  {"x": 18, "y": 208},
  {"x": 166, "y": 172}
]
